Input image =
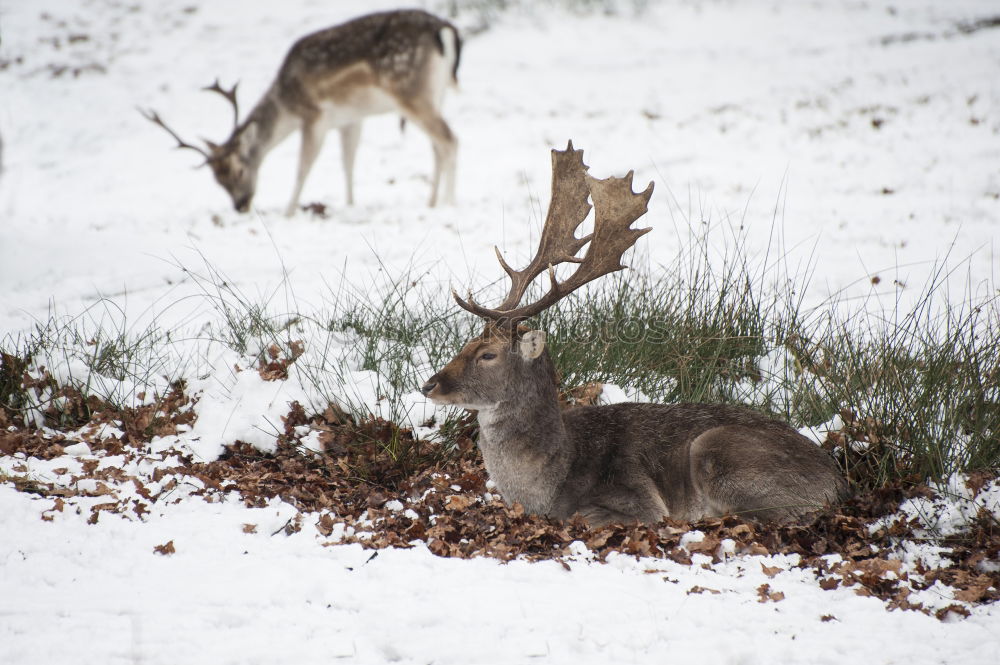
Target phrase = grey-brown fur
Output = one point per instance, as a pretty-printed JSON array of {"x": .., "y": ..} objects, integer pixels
[
  {"x": 397, "y": 61},
  {"x": 628, "y": 462}
]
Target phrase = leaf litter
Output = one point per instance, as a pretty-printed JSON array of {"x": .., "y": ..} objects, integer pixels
[{"x": 355, "y": 492}]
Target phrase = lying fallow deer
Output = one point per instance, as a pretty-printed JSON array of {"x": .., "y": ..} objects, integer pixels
[
  {"x": 398, "y": 61},
  {"x": 622, "y": 462}
]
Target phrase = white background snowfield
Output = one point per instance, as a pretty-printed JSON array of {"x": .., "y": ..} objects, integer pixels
[{"x": 862, "y": 139}]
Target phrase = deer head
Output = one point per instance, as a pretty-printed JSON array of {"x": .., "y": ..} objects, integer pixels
[
  {"x": 489, "y": 367},
  {"x": 231, "y": 161},
  {"x": 507, "y": 354}
]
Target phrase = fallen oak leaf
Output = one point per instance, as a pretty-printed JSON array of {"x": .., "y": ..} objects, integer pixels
[
  {"x": 325, "y": 524},
  {"x": 976, "y": 480},
  {"x": 165, "y": 549},
  {"x": 974, "y": 592},
  {"x": 829, "y": 583},
  {"x": 956, "y": 609},
  {"x": 95, "y": 511},
  {"x": 707, "y": 545},
  {"x": 101, "y": 489},
  {"x": 765, "y": 594},
  {"x": 741, "y": 530},
  {"x": 771, "y": 571}
]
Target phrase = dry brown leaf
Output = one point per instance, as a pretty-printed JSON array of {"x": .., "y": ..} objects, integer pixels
[
  {"x": 458, "y": 502},
  {"x": 102, "y": 490},
  {"x": 741, "y": 530},
  {"x": 708, "y": 545},
  {"x": 974, "y": 592},
  {"x": 765, "y": 594},
  {"x": 829, "y": 583},
  {"x": 943, "y": 613},
  {"x": 325, "y": 524},
  {"x": 96, "y": 510},
  {"x": 771, "y": 571},
  {"x": 165, "y": 549},
  {"x": 977, "y": 480}
]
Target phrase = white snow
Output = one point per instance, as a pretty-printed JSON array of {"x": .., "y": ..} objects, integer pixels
[{"x": 821, "y": 128}]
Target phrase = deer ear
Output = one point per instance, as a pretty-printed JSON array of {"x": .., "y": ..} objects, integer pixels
[{"x": 531, "y": 344}]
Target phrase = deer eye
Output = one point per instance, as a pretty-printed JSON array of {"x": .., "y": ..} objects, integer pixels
[{"x": 488, "y": 356}]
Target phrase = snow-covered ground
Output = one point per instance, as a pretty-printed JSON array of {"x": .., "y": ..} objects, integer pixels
[
  {"x": 99, "y": 594},
  {"x": 863, "y": 137}
]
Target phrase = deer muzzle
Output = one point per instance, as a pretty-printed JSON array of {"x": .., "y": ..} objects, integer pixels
[{"x": 440, "y": 388}]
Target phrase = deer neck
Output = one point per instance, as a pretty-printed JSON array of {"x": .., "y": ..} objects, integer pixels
[
  {"x": 525, "y": 446},
  {"x": 267, "y": 125}
]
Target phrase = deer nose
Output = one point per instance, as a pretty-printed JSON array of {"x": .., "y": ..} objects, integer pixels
[{"x": 428, "y": 387}]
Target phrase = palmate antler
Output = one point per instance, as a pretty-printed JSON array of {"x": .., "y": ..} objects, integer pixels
[{"x": 617, "y": 206}]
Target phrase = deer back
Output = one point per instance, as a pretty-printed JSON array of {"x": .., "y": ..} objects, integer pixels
[
  {"x": 698, "y": 459},
  {"x": 402, "y": 52}
]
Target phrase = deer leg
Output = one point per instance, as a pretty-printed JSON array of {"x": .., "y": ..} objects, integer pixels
[
  {"x": 350, "y": 136},
  {"x": 446, "y": 161},
  {"x": 312, "y": 141},
  {"x": 445, "y": 149},
  {"x": 640, "y": 501}
]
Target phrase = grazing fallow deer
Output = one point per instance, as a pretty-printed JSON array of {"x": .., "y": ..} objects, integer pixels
[
  {"x": 622, "y": 462},
  {"x": 397, "y": 61}
]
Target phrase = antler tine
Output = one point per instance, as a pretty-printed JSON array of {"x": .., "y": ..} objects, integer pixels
[
  {"x": 230, "y": 95},
  {"x": 503, "y": 263},
  {"x": 616, "y": 208},
  {"x": 558, "y": 243},
  {"x": 154, "y": 117}
]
